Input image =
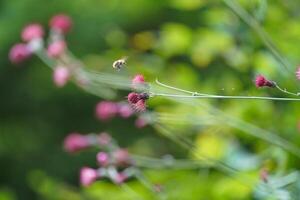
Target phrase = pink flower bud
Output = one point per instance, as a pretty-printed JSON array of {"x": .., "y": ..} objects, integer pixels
[
  {"x": 19, "y": 53},
  {"x": 121, "y": 157},
  {"x": 133, "y": 98},
  {"x": 61, "y": 23},
  {"x": 103, "y": 159},
  {"x": 104, "y": 139},
  {"x": 88, "y": 176},
  {"x": 106, "y": 110},
  {"x": 125, "y": 110},
  {"x": 138, "y": 101},
  {"x": 75, "y": 142},
  {"x": 120, "y": 178},
  {"x": 140, "y": 106},
  {"x": 261, "y": 81},
  {"x": 56, "y": 49},
  {"x": 140, "y": 122},
  {"x": 61, "y": 75},
  {"x": 32, "y": 31},
  {"x": 138, "y": 81}
]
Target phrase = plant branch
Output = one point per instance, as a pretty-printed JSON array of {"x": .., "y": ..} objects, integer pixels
[{"x": 208, "y": 96}]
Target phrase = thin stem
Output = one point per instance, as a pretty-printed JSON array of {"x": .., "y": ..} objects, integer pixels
[
  {"x": 285, "y": 91},
  {"x": 224, "y": 97},
  {"x": 43, "y": 56},
  {"x": 147, "y": 184},
  {"x": 180, "y": 90},
  {"x": 208, "y": 96},
  {"x": 175, "y": 164},
  {"x": 244, "y": 126},
  {"x": 220, "y": 165}
]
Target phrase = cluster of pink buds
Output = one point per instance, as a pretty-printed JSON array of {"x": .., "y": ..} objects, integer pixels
[
  {"x": 75, "y": 142},
  {"x": 107, "y": 110},
  {"x": 261, "y": 81},
  {"x": 115, "y": 165},
  {"x": 32, "y": 36},
  {"x": 138, "y": 99},
  {"x": 113, "y": 162},
  {"x": 33, "y": 42}
]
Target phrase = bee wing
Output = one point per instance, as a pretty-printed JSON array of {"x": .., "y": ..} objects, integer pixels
[
  {"x": 115, "y": 63},
  {"x": 125, "y": 58}
]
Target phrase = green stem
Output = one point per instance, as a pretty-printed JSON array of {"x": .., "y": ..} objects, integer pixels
[
  {"x": 224, "y": 97},
  {"x": 209, "y": 96}
]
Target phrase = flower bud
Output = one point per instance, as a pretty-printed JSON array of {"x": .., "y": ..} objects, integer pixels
[
  {"x": 88, "y": 176},
  {"x": 140, "y": 122},
  {"x": 106, "y": 110},
  {"x": 138, "y": 81},
  {"x": 261, "y": 81},
  {"x": 61, "y": 23},
  {"x": 56, "y": 49},
  {"x": 75, "y": 142},
  {"x": 121, "y": 157},
  {"x": 102, "y": 159},
  {"x": 31, "y": 32},
  {"x": 104, "y": 139},
  {"x": 19, "y": 53},
  {"x": 125, "y": 110},
  {"x": 61, "y": 75}
]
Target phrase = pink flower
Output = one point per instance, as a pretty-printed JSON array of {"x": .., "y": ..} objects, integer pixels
[
  {"x": 104, "y": 139},
  {"x": 120, "y": 178},
  {"x": 88, "y": 176},
  {"x": 140, "y": 122},
  {"x": 125, "y": 110},
  {"x": 105, "y": 110},
  {"x": 138, "y": 101},
  {"x": 138, "y": 81},
  {"x": 61, "y": 75},
  {"x": 32, "y": 31},
  {"x": 121, "y": 157},
  {"x": 61, "y": 23},
  {"x": 103, "y": 159},
  {"x": 140, "y": 106},
  {"x": 298, "y": 73},
  {"x": 261, "y": 81},
  {"x": 75, "y": 142},
  {"x": 19, "y": 53},
  {"x": 133, "y": 98},
  {"x": 56, "y": 49}
]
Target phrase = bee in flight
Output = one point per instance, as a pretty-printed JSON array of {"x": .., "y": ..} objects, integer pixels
[{"x": 119, "y": 64}]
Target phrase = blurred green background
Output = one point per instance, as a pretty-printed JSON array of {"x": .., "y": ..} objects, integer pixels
[{"x": 196, "y": 44}]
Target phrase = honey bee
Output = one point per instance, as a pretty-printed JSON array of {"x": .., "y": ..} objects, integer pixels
[{"x": 119, "y": 64}]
